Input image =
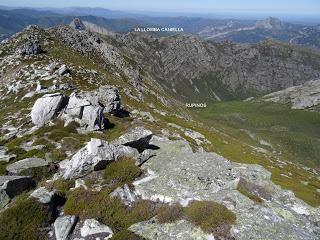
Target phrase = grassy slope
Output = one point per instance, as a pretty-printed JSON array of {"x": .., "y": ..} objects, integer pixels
[{"x": 294, "y": 135}]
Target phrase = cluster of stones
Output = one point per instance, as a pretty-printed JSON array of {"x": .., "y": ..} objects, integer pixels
[{"x": 85, "y": 108}]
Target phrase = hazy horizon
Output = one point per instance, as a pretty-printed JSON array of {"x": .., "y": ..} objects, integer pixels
[{"x": 250, "y": 7}]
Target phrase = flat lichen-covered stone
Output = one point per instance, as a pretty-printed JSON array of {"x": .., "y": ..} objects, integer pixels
[
  {"x": 177, "y": 174},
  {"x": 181, "y": 230}
]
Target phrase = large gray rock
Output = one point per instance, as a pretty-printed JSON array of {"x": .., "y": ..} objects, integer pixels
[
  {"x": 11, "y": 186},
  {"x": 43, "y": 195},
  {"x": 46, "y": 108},
  {"x": 93, "y": 118},
  {"x": 108, "y": 96},
  {"x": 76, "y": 104},
  {"x": 138, "y": 138},
  {"x": 94, "y": 156},
  {"x": 18, "y": 167},
  {"x": 63, "y": 227},
  {"x": 93, "y": 227}
]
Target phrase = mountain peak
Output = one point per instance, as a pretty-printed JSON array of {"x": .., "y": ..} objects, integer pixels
[
  {"x": 77, "y": 24},
  {"x": 270, "y": 23}
]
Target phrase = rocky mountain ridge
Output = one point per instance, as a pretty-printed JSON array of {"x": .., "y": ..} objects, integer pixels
[
  {"x": 189, "y": 67},
  {"x": 102, "y": 151}
]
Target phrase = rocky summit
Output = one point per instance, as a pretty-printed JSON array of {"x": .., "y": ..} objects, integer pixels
[{"x": 98, "y": 139}]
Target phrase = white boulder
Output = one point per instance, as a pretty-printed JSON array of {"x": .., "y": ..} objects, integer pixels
[
  {"x": 93, "y": 157},
  {"x": 92, "y": 227},
  {"x": 63, "y": 227},
  {"x": 46, "y": 108},
  {"x": 43, "y": 195}
]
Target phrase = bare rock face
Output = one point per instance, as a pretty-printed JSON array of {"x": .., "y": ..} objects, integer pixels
[
  {"x": 108, "y": 96},
  {"x": 88, "y": 108},
  {"x": 303, "y": 96},
  {"x": 93, "y": 157},
  {"x": 46, "y": 108}
]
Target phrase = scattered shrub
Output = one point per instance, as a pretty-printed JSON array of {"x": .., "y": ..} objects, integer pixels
[
  {"x": 110, "y": 211},
  {"x": 209, "y": 215},
  {"x": 38, "y": 173},
  {"x": 57, "y": 155},
  {"x": 61, "y": 185},
  {"x": 16, "y": 150},
  {"x": 71, "y": 144},
  {"x": 126, "y": 235},
  {"x": 245, "y": 191},
  {"x": 60, "y": 132},
  {"x": 121, "y": 172},
  {"x": 3, "y": 170},
  {"x": 32, "y": 153},
  {"x": 23, "y": 220},
  {"x": 170, "y": 214}
]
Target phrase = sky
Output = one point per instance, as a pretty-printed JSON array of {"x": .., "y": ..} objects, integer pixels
[{"x": 291, "y": 7}]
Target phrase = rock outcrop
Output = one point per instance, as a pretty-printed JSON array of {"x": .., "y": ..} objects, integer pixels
[
  {"x": 177, "y": 174},
  {"x": 90, "y": 117},
  {"x": 46, "y": 108},
  {"x": 88, "y": 108},
  {"x": 304, "y": 96},
  {"x": 18, "y": 167},
  {"x": 93, "y": 157},
  {"x": 77, "y": 24}
]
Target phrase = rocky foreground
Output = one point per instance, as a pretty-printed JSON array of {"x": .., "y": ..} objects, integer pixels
[{"x": 96, "y": 150}]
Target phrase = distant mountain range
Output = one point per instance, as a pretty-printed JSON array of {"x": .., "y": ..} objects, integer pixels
[{"x": 241, "y": 31}]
